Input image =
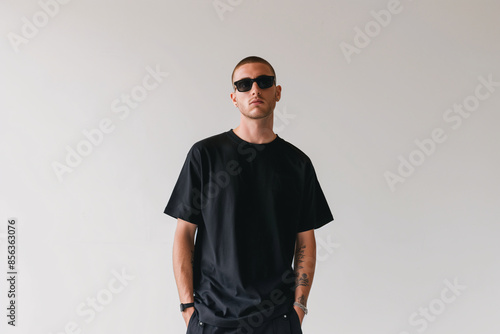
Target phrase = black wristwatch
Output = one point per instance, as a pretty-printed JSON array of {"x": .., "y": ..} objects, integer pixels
[{"x": 185, "y": 306}]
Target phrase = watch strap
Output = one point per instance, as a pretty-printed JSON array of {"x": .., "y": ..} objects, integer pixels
[{"x": 185, "y": 306}]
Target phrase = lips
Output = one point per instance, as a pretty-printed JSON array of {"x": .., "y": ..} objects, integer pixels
[{"x": 256, "y": 101}]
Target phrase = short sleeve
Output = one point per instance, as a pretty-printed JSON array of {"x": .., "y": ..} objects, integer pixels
[
  {"x": 315, "y": 211},
  {"x": 185, "y": 201}
]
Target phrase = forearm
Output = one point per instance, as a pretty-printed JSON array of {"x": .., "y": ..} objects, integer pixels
[
  {"x": 304, "y": 266},
  {"x": 183, "y": 255}
]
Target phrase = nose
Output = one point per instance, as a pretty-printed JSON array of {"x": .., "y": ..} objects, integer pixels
[{"x": 255, "y": 88}]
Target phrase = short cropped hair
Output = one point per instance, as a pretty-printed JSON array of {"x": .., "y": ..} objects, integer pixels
[{"x": 249, "y": 60}]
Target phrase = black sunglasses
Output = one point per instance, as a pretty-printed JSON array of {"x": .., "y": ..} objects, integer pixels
[{"x": 263, "y": 81}]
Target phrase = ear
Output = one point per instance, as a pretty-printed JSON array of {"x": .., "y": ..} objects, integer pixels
[
  {"x": 278, "y": 93},
  {"x": 233, "y": 98}
]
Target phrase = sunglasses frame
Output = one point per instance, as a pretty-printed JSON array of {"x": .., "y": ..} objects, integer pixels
[{"x": 254, "y": 80}]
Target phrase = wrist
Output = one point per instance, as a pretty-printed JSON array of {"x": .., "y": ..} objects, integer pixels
[
  {"x": 185, "y": 306},
  {"x": 301, "y": 306}
]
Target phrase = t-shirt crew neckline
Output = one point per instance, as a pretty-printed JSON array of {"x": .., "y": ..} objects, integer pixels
[{"x": 239, "y": 140}]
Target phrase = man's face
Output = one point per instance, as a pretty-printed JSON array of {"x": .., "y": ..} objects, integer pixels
[{"x": 257, "y": 103}]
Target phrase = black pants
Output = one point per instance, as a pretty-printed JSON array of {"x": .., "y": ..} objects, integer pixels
[{"x": 285, "y": 324}]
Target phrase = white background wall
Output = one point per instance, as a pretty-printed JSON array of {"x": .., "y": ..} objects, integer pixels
[{"x": 388, "y": 254}]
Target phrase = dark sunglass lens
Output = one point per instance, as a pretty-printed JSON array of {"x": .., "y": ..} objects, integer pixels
[
  {"x": 265, "y": 81},
  {"x": 244, "y": 85}
]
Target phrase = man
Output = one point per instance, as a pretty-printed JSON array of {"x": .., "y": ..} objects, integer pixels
[{"x": 253, "y": 201}]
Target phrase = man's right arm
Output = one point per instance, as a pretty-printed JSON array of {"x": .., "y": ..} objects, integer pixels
[{"x": 182, "y": 258}]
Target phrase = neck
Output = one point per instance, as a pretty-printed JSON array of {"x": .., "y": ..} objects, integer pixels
[{"x": 258, "y": 131}]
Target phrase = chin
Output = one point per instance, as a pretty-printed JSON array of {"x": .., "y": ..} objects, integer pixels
[{"x": 259, "y": 115}]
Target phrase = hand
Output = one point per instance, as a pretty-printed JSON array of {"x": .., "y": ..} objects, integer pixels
[
  {"x": 187, "y": 313},
  {"x": 300, "y": 313}
]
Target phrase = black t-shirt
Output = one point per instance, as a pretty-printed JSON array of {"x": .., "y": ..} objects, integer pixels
[{"x": 249, "y": 202}]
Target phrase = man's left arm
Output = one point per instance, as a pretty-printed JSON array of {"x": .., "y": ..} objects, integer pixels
[{"x": 304, "y": 267}]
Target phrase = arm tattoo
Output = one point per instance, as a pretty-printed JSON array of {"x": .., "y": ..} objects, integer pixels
[
  {"x": 302, "y": 300},
  {"x": 299, "y": 256},
  {"x": 302, "y": 280}
]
